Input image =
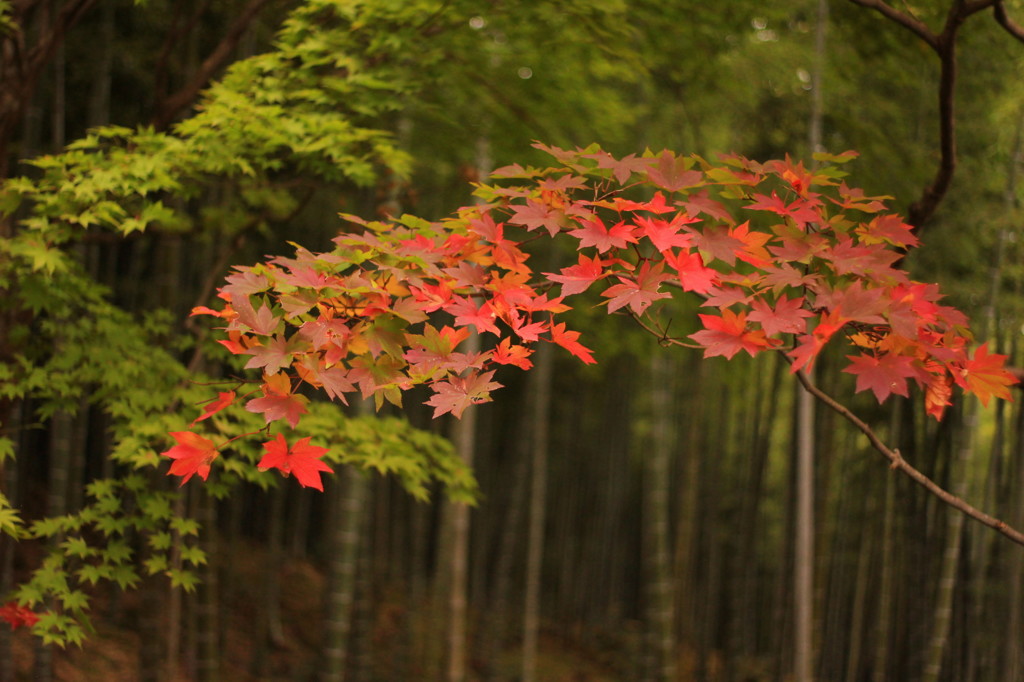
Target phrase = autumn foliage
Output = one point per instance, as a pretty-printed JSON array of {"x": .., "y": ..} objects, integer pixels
[{"x": 784, "y": 259}]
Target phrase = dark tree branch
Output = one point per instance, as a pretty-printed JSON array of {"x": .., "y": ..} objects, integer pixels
[
  {"x": 175, "y": 34},
  {"x": 1013, "y": 28},
  {"x": 897, "y": 462},
  {"x": 20, "y": 66},
  {"x": 912, "y": 24},
  {"x": 168, "y": 110}
]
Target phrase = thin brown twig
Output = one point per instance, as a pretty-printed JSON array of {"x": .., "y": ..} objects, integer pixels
[{"x": 897, "y": 462}]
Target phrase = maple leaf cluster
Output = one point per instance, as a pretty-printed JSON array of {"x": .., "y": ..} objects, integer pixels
[
  {"x": 18, "y": 616},
  {"x": 784, "y": 258}
]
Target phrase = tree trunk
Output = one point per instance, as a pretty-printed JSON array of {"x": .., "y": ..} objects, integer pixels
[
  {"x": 345, "y": 526},
  {"x": 458, "y": 626},
  {"x": 660, "y": 592},
  {"x": 540, "y": 423}
]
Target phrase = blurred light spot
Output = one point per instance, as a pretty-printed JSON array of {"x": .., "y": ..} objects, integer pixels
[
  {"x": 760, "y": 23},
  {"x": 525, "y": 72},
  {"x": 477, "y": 23}
]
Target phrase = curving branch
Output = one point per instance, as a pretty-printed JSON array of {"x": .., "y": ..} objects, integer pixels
[
  {"x": 944, "y": 45},
  {"x": 911, "y": 23},
  {"x": 169, "y": 108},
  {"x": 897, "y": 462},
  {"x": 1013, "y": 28}
]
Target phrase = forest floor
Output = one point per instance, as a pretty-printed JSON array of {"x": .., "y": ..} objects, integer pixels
[{"x": 111, "y": 654}]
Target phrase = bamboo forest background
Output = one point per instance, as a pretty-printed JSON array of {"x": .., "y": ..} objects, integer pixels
[{"x": 634, "y": 520}]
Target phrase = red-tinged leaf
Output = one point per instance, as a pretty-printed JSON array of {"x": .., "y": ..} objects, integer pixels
[
  {"x": 664, "y": 234},
  {"x": 273, "y": 356},
  {"x": 535, "y": 214},
  {"x": 244, "y": 283},
  {"x": 873, "y": 262},
  {"x": 335, "y": 382},
  {"x": 302, "y": 460},
  {"x": 656, "y": 205},
  {"x": 278, "y": 402},
  {"x": 701, "y": 202},
  {"x": 458, "y": 393},
  {"x": 801, "y": 211},
  {"x": 753, "y": 250},
  {"x": 855, "y": 303},
  {"x": 855, "y": 199},
  {"x": 516, "y": 171},
  {"x": 723, "y": 297},
  {"x": 508, "y": 353},
  {"x": 809, "y": 345},
  {"x": 562, "y": 183},
  {"x": 263, "y": 322},
  {"x": 431, "y": 297},
  {"x": 787, "y": 276},
  {"x": 276, "y": 406},
  {"x": 594, "y": 233},
  {"x": 787, "y": 317},
  {"x": 720, "y": 243},
  {"x": 985, "y": 376},
  {"x": 887, "y": 229},
  {"x": 17, "y": 615},
  {"x": 568, "y": 340},
  {"x": 672, "y": 173},
  {"x": 884, "y": 375},
  {"x": 639, "y": 292},
  {"x": 203, "y": 310},
  {"x": 937, "y": 395},
  {"x": 728, "y": 334},
  {"x": 192, "y": 455},
  {"x": 622, "y": 168},
  {"x": 233, "y": 345},
  {"x": 528, "y": 331},
  {"x": 467, "y": 313},
  {"x": 693, "y": 275},
  {"x": 578, "y": 278},
  {"x": 222, "y": 401}
]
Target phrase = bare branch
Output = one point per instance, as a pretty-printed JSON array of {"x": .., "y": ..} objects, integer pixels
[
  {"x": 181, "y": 99},
  {"x": 897, "y": 462},
  {"x": 1013, "y": 28},
  {"x": 912, "y": 24}
]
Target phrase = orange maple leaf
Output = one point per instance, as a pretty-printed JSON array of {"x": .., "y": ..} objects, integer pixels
[
  {"x": 302, "y": 460},
  {"x": 192, "y": 455}
]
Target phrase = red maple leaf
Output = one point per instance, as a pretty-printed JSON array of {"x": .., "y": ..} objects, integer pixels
[
  {"x": 787, "y": 317},
  {"x": 18, "y": 616},
  {"x": 302, "y": 460},
  {"x": 672, "y": 172},
  {"x": 594, "y": 233},
  {"x": 622, "y": 168},
  {"x": 508, "y": 353},
  {"x": 887, "y": 228},
  {"x": 984, "y": 376},
  {"x": 222, "y": 401},
  {"x": 192, "y": 455},
  {"x": 456, "y": 394},
  {"x": 640, "y": 292},
  {"x": 467, "y": 313},
  {"x": 578, "y": 278},
  {"x": 693, "y": 275},
  {"x": 728, "y": 334},
  {"x": 665, "y": 234},
  {"x": 535, "y": 214},
  {"x": 568, "y": 340},
  {"x": 884, "y": 375},
  {"x": 278, "y": 402}
]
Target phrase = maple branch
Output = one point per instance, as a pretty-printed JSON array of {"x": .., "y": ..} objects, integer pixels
[
  {"x": 897, "y": 462},
  {"x": 1013, "y": 28},
  {"x": 912, "y": 24},
  {"x": 171, "y": 106}
]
